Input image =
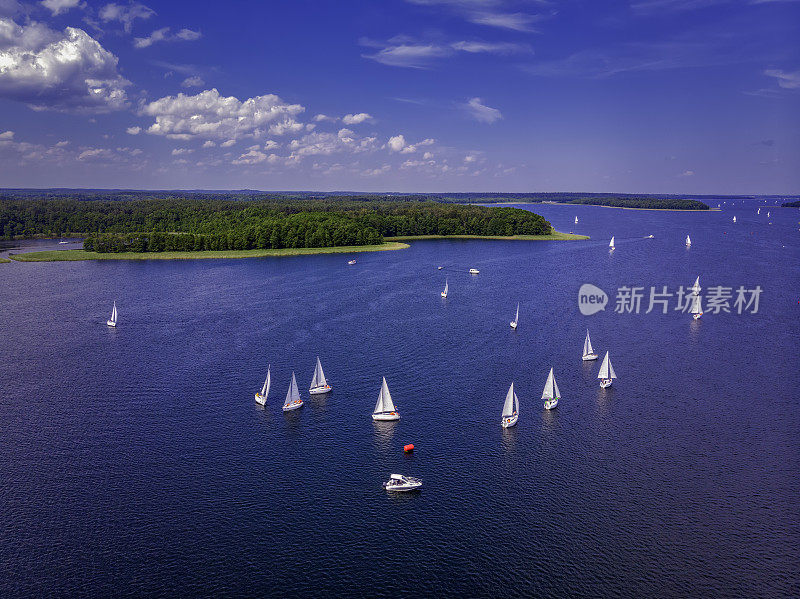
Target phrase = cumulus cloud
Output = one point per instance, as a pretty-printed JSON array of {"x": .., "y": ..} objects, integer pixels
[
  {"x": 68, "y": 71},
  {"x": 59, "y": 6},
  {"x": 125, "y": 13},
  {"x": 181, "y": 151},
  {"x": 398, "y": 143},
  {"x": 210, "y": 115},
  {"x": 163, "y": 35},
  {"x": 6, "y": 136},
  {"x": 786, "y": 79},
  {"x": 209, "y": 144},
  {"x": 356, "y": 119},
  {"x": 193, "y": 81},
  {"x": 324, "y": 118},
  {"x": 480, "y": 112},
  {"x": 133, "y": 130}
]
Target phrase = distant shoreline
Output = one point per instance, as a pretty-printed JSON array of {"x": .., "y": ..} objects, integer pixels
[
  {"x": 556, "y": 236},
  {"x": 80, "y": 255}
]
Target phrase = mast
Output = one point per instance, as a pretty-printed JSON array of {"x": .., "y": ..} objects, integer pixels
[
  {"x": 319, "y": 376},
  {"x": 385, "y": 403},
  {"x": 292, "y": 394},
  {"x": 114, "y": 312},
  {"x": 550, "y": 387},
  {"x": 587, "y": 345},
  {"x": 606, "y": 369}
]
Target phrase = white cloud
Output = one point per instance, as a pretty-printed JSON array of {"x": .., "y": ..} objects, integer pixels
[
  {"x": 6, "y": 136},
  {"x": 405, "y": 53},
  {"x": 251, "y": 157},
  {"x": 62, "y": 144},
  {"x": 374, "y": 172},
  {"x": 270, "y": 145},
  {"x": 481, "y": 112},
  {"x": 163, "y": 35},
  {"x": 686, "y": 174},
  {"x": 208, "y": 144},
  {"x": 125, "y": 14},
  {"x": 396, "y": 143},
  {"x": 181, "y": 151},
  {"x": 66, "y": 70},
  {"x": 427, "y": 155},
  {"x": 324, "y": 117},
  {"x": 491, "y": 47},
  {"x": 193, "y": 81},
  {"x": 515, "y": 21},
  {"x": 133, "y": 130},
  {"x": 786, "y": 79},
  {"x": 212, "y": 116},
  {"x": 59, "y": 6},
  {"x": 227, "y": 144},
  {"x": 356, "y": 119}
]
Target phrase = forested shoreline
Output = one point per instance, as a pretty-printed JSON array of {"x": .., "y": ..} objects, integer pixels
[{"x": 158, "y": 225}]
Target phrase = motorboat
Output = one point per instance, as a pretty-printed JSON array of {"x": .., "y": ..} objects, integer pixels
[
  {"x": 398, "y": 483},
  {"x": 474, "y": 271}
]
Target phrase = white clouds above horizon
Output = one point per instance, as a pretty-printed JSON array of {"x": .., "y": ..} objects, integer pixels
[
  {"x": 480, "y": 112},
  {"x": 356, "y": 119},
  {"x": 785, "y": 79},
  {"x": 404, "y": 51},
  {"x": 163, "y": 35},
  {"x": 52, "y": 70},
  {"x": 57, "y": 7},
  {"x": 125, "y": 14}
]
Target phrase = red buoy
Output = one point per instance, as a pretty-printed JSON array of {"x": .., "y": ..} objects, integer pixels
[{"x": 409, "y": 447}]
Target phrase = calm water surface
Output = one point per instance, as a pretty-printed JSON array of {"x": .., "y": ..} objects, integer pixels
[{"x": 135, "y": 462}]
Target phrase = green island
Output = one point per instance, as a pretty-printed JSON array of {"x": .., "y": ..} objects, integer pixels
[
  {"x": 795, "y": 204},
  {"x": 133, "y": 228},
  {"x": 4, "y": 260}
]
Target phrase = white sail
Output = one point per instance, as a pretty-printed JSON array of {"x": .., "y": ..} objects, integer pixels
[
  {"x": 319, "y": 376},
  {"x": 688, "y": 240},
  {"x": 292, "y": 394},
  {"x": 767, "y": 214},
  {"x": 587, "y": 345},
  {"x": 550, "y": 387},
  {"x": 611, "y": 244},
  {"x": 696, "y": 287},
  {"x": 267, "y": 382},
  {"x": 606, "y": 369},
  {"x": 697, "y": 306},
  {"x": 114, "y": 313},
  {"x": 516, "y": 317},
  {"x": 385, "y": 403},
  {"x": 510, "y": 406},
  {"x": 734, "y": 219},
  {"x": 576, "y": 220},
  {"x": 446, "y": 286},
  {"x": 759, "y": 211}
]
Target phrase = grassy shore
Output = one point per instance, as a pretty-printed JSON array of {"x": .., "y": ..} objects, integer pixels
[
  {"x": 556, "y": 236},
  {"x": 74, "y": 255},
  {"x": 4, "y": 260}
]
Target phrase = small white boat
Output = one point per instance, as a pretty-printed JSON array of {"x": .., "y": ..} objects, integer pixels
[
  {"x": 474, "y": 271},
  {"x": 734, "y": 219},
  {"x": 62, "y": 242},
  {"x": 651, "y": 236},
  {"x": 351, "y": 262},
  {"x": 606, "y": 374},
  {"x": 446, "y": 287},
  {"x": 261, "y": 396},
  {"x": 576, "y": 220},
  {"x": 688, "y": 241},
  {"x": 514, "y": 322},
  {"x": 384, "y": 408},
  {"x": 588, "y": 351},
  {"x": 510, "y": 409},
  {"x": 112, "y": 322},
  {"x": 439, "y": 267},
  {"x": 767, "y": 214},
  {"x": 697, "y": 307},
  {"x": 758, "y": 211},
  {"x": 293, "y": 400},
  {"x": 551, "y": 394},
  {"x": 611, "y": 243},
  {"x": 398, "y": 482},
  {"x": 318, "y": 384}
]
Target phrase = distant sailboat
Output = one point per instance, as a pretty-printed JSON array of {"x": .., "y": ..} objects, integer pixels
[
  {"x": 261, "y": 396},
  {"x": 588, "y": 351},
  {"x": 293, "y": 400},
  {"x": 318, "y": 384},
  {"x": 510, "y": 408},
  {"x": 384, "y": 408},
  {"x": 606, "y": 374},
  {"x": 474, "y": 271},
  {"x": 112, "y": 322},
  {"x": 697, "y": 307},
  {"x": 551, "y": 394},
  {"x": 767, "y": 214},
  {"x": 446, "y": 288},
  {"x": 576, "y": 220},
  {"x": 611, "y": 243},
  {"x": 759, "y": 211},
  {"x": 688, "y": 241},
  {"x": 734, "y": 219},
  {"x": 696, "y": 287},
  {"x": 516, "y": 318}
]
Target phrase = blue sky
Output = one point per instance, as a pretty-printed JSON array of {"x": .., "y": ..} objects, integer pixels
[{"x": 637, "y": 96}]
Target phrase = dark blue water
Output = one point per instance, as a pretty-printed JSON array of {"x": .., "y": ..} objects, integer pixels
[{"x": 135, "y": 462}]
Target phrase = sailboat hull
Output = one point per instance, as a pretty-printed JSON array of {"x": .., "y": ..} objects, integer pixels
[
  {"x": 696, "y": 316},
  {"x": 510, "y": 421},
  {"x": 386, "y": 416},
  {"x": 293, "y": 406},
  {"x": 443, "y": 294},
  {"x": 111, "y": 323},
  {"x": 513, "y": 324},
  {"x": 589, "y": 357},
  {"x": 261, "y": 399},
  {"x": 551, "y": 403},
  {"x": 606, "y": 383},
  {"x": 320, "y": 390}
]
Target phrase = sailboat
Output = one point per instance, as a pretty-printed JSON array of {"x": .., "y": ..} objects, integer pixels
[
  {"x": 551, "y": 394},
  {"x": 696, "y": 287},
  {"x": 576, "y": 220},
  {"x": 588, "y": 351},
  {"x": 759, "y": 211},
  {"x": 514, "y": 322},
  {"x": 606, "y": 374},
  {"x": 611, "y": 243},
  {"x": 734, "y": 219},
  {"x": 510, "y": 408},
  {"x": 112, "y": 322},
  {"x": 318, "y": 384},
  {"x": 384, "y": 408},
  {"x": 688, "y": 241},
  {"x": 446, "y": 287},
  {"x": 768, "y": 214},
  {"x": 293, "y": 400},
  {"x": 261, "y": 396},
  {"x": 697, "y": 307}
]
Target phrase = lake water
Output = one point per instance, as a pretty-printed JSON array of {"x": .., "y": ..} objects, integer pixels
[{"x": 135, "y": 462}]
